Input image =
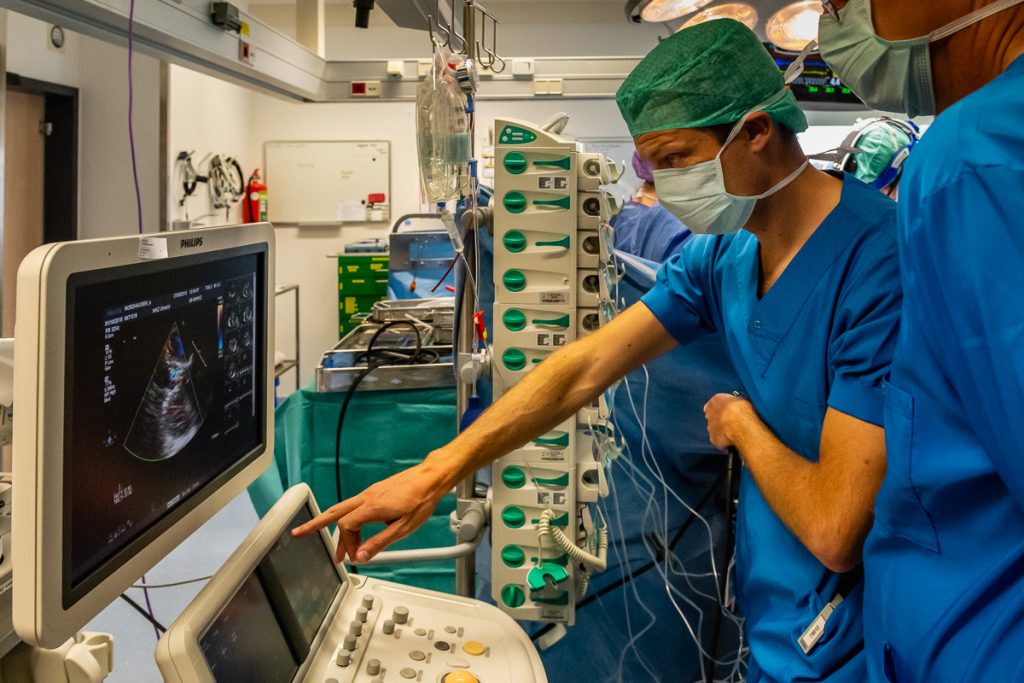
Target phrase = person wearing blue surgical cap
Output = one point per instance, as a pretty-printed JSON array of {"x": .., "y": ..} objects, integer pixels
[
  {"x": 644, "y": 227},
  {"x": 944, "y": 562}
]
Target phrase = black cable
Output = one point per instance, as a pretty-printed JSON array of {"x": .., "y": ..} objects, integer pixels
[
  {"x": 733, "y": 485},
  {"x": 142, "y": 610},
  {"x": 622, "y": 581},
  {"x": 374, "y": 359}
]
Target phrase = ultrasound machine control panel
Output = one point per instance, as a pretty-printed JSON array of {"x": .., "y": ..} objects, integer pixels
[{"x": 280, "y": 609}]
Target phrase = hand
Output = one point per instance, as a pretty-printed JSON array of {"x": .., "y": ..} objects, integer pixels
[
  {"x": 728, "y": 415},
  {"x": 403, "y": 501}
]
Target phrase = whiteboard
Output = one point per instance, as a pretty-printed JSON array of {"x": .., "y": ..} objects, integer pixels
[{"x": 331, "y": 181}]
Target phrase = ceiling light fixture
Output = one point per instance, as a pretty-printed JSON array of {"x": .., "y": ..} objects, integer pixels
[
  {"x": 740, "y": 11},
  {"x": 667, "y": 10},
  {"x": 793, "y": 26}
]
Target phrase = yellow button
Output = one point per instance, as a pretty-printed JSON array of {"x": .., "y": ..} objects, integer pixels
[
  {"x": 460, "y": 677},
  {"x": 473, "y": 648}
]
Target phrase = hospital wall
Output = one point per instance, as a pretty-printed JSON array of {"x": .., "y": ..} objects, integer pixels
[
  {"x": 207, "y": 115},
  {"x": 106, "y": 200}
]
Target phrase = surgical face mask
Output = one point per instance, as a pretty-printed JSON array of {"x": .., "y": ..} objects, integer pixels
[
  {"x": 696, "y": 195},
  {"x": 890, "y": 75}
]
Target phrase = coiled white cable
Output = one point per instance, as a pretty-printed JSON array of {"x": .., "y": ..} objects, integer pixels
[{"x": 597, "y": 562}]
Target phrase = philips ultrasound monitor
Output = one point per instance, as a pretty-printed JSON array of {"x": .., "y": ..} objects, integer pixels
[{"x": 142, "y": 374}]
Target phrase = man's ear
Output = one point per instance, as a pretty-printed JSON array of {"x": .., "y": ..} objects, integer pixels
[{"x": 758, "y": 129}]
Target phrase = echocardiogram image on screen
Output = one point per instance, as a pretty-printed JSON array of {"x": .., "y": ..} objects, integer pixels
[{"x": 166, "y": 391}]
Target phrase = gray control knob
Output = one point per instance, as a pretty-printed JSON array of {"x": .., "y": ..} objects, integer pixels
[
  {"x": 362, "y": 613},
  {"x": 350, "y": 642},
  {"x": 355, "y": 628},
  {"x": 368, "y": 601},
  {"x": 344, "y": 658},
  {"x": 401, "y": 615},
  {"x": 373, "y": 667},
  {"x": 389, "y": 626}
]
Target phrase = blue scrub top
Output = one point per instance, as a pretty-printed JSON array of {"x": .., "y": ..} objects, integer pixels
[
  {"x": 651, "y": 232},
  {"x": 944, "y": 597},
  {"x": 821, "y": 337}
]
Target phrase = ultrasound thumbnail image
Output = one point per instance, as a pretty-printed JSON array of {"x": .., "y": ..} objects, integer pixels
[{"x": 175, "y": 404}]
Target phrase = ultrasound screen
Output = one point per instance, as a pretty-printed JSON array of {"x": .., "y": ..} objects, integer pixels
[
  {"x": 244, "y": 645},
  {"x": 284, "y": 602},
  {"x": 166, "y": 392}
]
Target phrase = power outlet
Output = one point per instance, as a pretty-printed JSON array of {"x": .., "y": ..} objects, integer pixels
[
  {"x": 246, "y": 55},
  {"x": 365, "y": 89}
]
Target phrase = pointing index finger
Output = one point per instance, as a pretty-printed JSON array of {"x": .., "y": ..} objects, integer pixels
[{"x": 326, "y": 518}]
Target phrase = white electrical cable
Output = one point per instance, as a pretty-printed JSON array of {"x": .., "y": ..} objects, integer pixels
[
  {"x": 652, "y": 466},
  {"x": 597, "y": 562}
]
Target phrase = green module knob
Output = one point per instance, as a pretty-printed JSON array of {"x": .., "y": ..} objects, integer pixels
[
  {"x": 514, "y": 241},
  {"x": 515, "y": 163},
  {"x": 515, "y": 202},
  {"x": 513, "y": 556},
  {"x": 512, "y": 595},
  {"x": 513, "y": 477},
  {"x": 513, "y": 517},
  {"x": 514, "y": 280},
  {"x": 514, "y": 319},
  {"x": 514, "y": 359}
]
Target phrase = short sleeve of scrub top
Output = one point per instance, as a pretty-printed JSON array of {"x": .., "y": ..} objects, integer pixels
[
  {"x": 684, "y": 295},
  {"x": 864, "y": 334}
]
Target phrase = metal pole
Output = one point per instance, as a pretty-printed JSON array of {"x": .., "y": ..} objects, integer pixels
[{"x": 465, "y": 567}]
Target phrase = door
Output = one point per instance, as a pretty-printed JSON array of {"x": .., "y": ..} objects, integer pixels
[{"x": 23, "y": 190}]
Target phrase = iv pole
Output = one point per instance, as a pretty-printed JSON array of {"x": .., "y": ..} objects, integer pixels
[{"x": 465, "y": 566}]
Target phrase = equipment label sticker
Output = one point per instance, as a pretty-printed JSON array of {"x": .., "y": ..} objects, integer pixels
[
  {"x": 548, "y": 339},
  {"x": 553, "y": 182},
  {"x": 553, "y": 297},
  {"x": 551, "y": 498},
  {"x": 152, "y": 248},
  {"x": 553, "y": 455},
  {"x": 553, "y": 614}
]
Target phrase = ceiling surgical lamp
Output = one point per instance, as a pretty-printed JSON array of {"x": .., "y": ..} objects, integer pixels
[
  {"x": 795, "y": 25},
  {"x": 657, "y": 11},
  {"x": 742, "y": 12}
]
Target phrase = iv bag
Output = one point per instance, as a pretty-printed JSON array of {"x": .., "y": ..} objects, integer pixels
[{"x": 442, "y": 135}]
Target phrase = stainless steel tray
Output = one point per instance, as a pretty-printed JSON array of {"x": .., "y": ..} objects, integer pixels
[
  {"x": 337, "y": 368},
  {"x": 439, "y": 311}
]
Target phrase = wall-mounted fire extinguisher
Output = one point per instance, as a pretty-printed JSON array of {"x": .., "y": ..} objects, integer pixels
[{"x": 255, "y": 207}]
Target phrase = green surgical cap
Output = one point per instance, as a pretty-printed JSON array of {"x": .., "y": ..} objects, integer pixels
[
  {"x": 707, "y": 75},
  {"x": 878, "y": 146}
]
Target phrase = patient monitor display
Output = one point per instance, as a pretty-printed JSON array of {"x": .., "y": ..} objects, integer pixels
[
  {"x": 141, "y": 378},
  {"x": 165, "y": 394}
]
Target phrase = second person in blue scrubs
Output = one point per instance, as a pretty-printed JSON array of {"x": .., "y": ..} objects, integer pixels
[
  {"x": 806, "y": 298},
  {"x": 944, "y": 595}
]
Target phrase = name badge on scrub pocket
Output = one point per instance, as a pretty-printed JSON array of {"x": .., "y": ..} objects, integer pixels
[{"x": 810, "y": 637}]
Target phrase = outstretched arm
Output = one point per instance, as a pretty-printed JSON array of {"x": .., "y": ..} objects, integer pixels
[{"x": 552, "y": 392}]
